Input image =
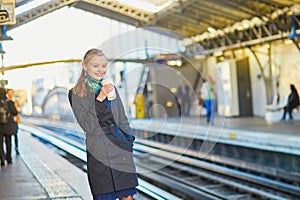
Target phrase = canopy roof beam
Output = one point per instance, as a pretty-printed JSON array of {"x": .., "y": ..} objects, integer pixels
[{"x": 266, "y": 32}]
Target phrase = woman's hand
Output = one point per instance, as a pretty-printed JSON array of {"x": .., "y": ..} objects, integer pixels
[{"x": 105, "y": 90}]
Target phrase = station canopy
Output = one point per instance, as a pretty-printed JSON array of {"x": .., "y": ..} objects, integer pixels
[{"x": 211, "y": 21}]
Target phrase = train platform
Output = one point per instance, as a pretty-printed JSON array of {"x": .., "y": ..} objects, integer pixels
[
  {"x": 39, "y": 173},
  {"x": 253, "y": 132},
  {"x": 256, "y": 124}
]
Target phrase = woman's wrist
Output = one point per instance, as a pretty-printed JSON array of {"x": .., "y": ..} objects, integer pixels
[{"x": 101, "y": 97}]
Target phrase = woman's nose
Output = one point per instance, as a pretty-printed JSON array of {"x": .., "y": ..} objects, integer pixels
[{"x": 101, "y": 69}]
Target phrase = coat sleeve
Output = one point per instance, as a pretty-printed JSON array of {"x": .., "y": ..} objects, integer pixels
[
  {"x": 12, "y": 108},
  {"x": 122, "y": 119},
  {"x": 84, "y": 112},
  {"x": 291, "y": 99}
]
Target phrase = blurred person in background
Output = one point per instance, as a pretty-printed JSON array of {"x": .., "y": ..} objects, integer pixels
[
  {"x": 293, "y": 102},
  {"x": 6, "y": 127},
  {"x": 183, "y": 95},
  {"x": 208, "y": 95},
  {"x": 16, "y": 120}
]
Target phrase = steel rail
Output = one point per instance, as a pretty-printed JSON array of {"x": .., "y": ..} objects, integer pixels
[{"x": 167, "y": 154}]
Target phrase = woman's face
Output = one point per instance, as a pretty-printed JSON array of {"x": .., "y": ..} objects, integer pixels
[
  {"x": 10, "y": 94},
  {"x": 96, "y": 67}
]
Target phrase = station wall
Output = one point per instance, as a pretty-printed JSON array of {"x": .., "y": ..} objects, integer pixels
[{"x": 276, "y": 67}]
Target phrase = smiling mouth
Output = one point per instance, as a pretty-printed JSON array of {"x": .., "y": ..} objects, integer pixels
[{"x": 99, "y": 74}]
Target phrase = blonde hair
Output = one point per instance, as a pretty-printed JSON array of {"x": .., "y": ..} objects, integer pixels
[{"x": 80, "y": 86}]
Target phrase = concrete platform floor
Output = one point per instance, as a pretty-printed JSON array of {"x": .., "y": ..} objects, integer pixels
[{"x": 38, "y": 173}]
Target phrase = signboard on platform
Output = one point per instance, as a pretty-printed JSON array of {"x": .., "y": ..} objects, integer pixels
[
  {"x": 169, "y": 59},
  {"x": 7, "y": 12}
]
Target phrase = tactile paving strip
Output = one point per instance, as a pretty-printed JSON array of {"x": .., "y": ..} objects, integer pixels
[{"x": 54, "y": 185}]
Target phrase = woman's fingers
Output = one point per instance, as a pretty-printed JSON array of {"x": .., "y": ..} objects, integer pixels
[{"x": 107, "y": 88}]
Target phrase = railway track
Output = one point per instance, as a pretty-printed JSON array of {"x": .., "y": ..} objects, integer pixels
[
  {"x": 75, "y": 153},
  {"x": 187, "y": 177}
]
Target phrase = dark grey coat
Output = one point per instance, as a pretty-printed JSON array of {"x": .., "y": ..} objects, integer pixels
[
  {"x": 293, "y": 99},
  {"x": 9, "y": 128},
  {"x": 109, "y": 149}
]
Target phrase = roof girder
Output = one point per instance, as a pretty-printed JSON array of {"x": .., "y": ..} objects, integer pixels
[
  {"x": 124, "y": 9},
  {"x": 40, "y": 11},
  {"x": 34, "y": 13},
  {"x": 266, "y": 32}
]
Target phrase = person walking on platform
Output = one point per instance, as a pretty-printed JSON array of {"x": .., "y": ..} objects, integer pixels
[
  {"x": 109, "y": 143},
  {"x": 7, "y": 111},
  {"x": 293, "y": 102},
  {"x": 208, "y": 95},
  {"x": 16, "y": 119},
  {"x": 183, "y": 94}
]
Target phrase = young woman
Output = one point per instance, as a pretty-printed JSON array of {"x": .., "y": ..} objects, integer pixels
[{"x": 111, "y": 170}]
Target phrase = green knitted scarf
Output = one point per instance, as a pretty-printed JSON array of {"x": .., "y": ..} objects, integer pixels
[{"x": 93, "y": 84}]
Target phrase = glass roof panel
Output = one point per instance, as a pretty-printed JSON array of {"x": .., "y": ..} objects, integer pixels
[{"x": 148, "y": 5}]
